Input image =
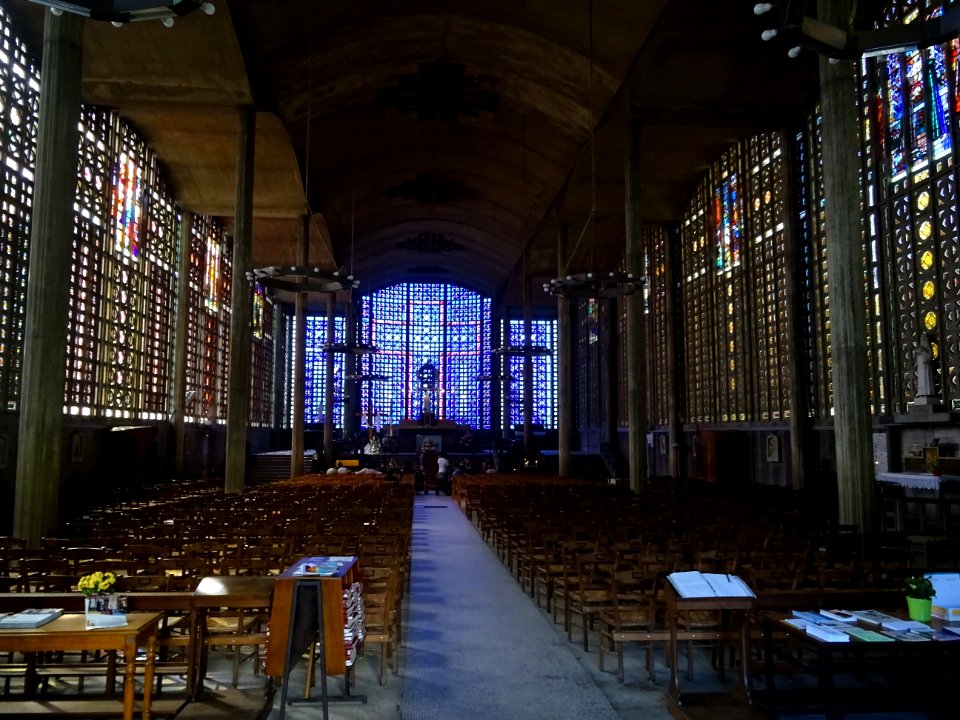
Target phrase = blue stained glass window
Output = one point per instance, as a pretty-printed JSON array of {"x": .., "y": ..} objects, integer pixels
[
  {"x": 315, "y": 370},
  {"x": 940, "y": 92},
  {"x": 414, "y": 324},
  {"x": 918, "y": 111},
  {"x": 898, "y": 165},
  {"x": 544, "y": 333}
]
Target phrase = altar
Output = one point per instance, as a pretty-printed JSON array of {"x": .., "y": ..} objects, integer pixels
[
  {"x": 916, "y": 481},
  {"x": 409, "y": 435}
]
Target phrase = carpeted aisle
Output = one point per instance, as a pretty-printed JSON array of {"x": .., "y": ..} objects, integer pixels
[{"x": 476, "y": 647}]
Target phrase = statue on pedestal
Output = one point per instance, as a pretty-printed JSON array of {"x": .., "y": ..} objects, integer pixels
[{"x": 926, "y": 393}]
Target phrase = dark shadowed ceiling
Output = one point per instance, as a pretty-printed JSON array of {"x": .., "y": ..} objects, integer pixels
[{"x": 441, "y": 140}]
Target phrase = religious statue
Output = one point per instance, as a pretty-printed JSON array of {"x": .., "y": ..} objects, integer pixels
[
  {"x": 924, "y": 361},
  {"x": 373, "y": 446}
]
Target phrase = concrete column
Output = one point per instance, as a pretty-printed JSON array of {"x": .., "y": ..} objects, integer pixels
[
  {"x": 328, "y": 450},
  {"x": 180, "y": 345},
  {"x": 564, "y": 362},
  {"x": 636, "y": 321},
  {"x": 351, "y": 362},
  {"x": 299, "y": 358},
  {"x": 852, "y": 422},
  {"x": 238, "y": 403},
  {"x": 799, "y": 420},
  {"x": 51, "y": 230}
]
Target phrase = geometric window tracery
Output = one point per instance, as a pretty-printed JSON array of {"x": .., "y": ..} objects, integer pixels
[
  {"x": 414, "y": 324},
  {"x": 917, "y": 195},
  {"x": 19, "y": 98},
  {"x": 122, "y": 276},
  {"x": 262, "y": 358},
  {"x": 208, "y": 322},
  {"x": 733, "y": 288},
  {"x": 543, "y": 333},
  {"x": 315, "y": 370}
]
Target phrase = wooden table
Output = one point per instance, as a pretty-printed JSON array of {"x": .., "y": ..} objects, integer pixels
[
  {"x": 919, "y": 676},
  {"x": 68, "y": 632},
  {"x": 235, "y": 592}
]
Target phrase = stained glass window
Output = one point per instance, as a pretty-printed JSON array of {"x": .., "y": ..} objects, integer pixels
[
  {"x": 122, "y": 276},
  {"x": 765, "y": 223},
  {"x": 659, "y": 324},
  {"x": 91, "y": 215},
  {"x": 911, "y": 220},
  {"x": 262, "y": 353},
  {"x": 315, "y": 370},
  {"x": 19, "y": 95},
  {"x": 697, "y": 281},
  {"x": 543, "y": 333},
  {"x": 812, "y": 211},
  {"x": 731, "y": 286},
  {"x": 161, "y": 248},
  {"x": 734, "y": 284},
  {"x": 590, "y": 370},
  {"x": 414, "y": 324},
  {"x": 208, "y": 323}
]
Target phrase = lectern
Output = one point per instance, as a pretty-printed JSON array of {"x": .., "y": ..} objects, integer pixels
[{"x": 308, "y": 607}]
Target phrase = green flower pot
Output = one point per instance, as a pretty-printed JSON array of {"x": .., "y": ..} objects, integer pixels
[{"x": 919, "y": 609}]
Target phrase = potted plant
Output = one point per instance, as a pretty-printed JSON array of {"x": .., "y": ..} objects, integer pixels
[{"x": 919, "y": 591}]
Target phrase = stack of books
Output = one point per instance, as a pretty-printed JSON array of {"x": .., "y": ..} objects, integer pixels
[
  {"x": 27, "y": 619},
  {"x": 841, "y": 625}
]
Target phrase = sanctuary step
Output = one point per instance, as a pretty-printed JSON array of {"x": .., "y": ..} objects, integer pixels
[{"x": 270, "y": 467}]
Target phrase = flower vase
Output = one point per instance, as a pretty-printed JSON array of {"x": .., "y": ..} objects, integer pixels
[
  {"x": 105, "y": 610},
  {"x": 919, "y": 608}
]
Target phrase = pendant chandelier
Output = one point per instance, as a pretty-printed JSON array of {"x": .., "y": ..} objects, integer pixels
[{"x": 592, "y": 285}]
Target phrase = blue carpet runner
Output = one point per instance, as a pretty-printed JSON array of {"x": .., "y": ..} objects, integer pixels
[{"x": 476, "y": 646}]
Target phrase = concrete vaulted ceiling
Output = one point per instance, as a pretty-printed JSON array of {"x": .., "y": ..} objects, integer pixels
[{"x": 441, "y": 140}]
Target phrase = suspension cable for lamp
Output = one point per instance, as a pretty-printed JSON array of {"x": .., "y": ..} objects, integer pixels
[
  {"x": 589, "y": 222},
  {"x": 306, "y": 169},
  {"x": 353, "y": 196}
]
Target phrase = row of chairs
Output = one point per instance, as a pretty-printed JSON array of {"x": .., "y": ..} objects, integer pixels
[
  {"x": 599, "y": 558},
  {"x": 311, "y": 516}
]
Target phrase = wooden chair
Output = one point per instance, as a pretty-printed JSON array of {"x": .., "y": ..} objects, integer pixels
[
  {"x": 632, "y": 617},
  {"x": 235, "y": 629},
  {"x": 381, "y": 618},
  {"x": 591, "y": 596}
]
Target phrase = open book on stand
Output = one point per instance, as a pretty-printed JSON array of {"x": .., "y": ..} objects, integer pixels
[{"x": 696, "y": 584}]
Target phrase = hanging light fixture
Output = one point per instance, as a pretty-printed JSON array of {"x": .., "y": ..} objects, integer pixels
[
  {"x": 494, "y": 377},
  {"x": 288, "y": 281},
  {"x": 588, "y": 285},
  {"x": 120, "y": 12},
  {"x": 522, "y": 350},
  {"x": 367, "y": 377},
  {"x": 583, "y": 286},
  {"x": 293, "y": 279},
  {"x": 351, "y": 348}
]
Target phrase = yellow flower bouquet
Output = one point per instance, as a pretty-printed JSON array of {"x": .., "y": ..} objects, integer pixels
[
  {"x": 97, "y": 583},
  {"x": 103, "y": 607}
]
